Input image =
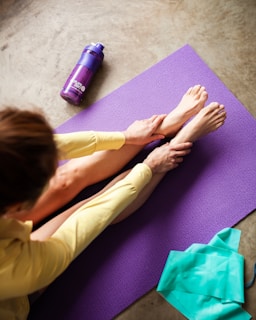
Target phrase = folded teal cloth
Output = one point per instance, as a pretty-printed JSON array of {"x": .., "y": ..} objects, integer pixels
[{"x": 207, "y": 281}]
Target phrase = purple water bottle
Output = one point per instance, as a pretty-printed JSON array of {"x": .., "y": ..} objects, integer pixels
[{"x": 81, "y": 76}]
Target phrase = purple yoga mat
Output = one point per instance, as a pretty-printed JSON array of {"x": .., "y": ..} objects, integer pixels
[{"x": 214, "y": 188}]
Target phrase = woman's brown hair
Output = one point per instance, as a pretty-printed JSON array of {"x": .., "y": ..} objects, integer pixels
[{"x": 28, "y": 156}]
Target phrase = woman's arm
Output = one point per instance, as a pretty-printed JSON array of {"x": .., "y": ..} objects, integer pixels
[
  {"x": 78, "y": 144},
  {"x": 37, "y": 263}
]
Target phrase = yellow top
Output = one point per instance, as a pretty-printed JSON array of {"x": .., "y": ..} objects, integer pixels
[{"x": 27, "y": 266}]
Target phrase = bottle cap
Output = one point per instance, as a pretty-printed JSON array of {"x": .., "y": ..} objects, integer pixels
[{"x": 96, "y": 47}]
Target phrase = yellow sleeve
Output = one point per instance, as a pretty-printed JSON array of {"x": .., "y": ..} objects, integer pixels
[
  {"x": 36, "y": 264},
  {"x": 93, "y": 217},
  {"x": 78, "y": 144}
]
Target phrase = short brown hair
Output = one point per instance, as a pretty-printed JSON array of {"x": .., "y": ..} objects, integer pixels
[{"x": 28, "y": 156}]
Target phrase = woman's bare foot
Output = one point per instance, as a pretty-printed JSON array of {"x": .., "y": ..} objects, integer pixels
[
  {"x": 191, "y": 103},
  {"x": 207, "y": 120}
]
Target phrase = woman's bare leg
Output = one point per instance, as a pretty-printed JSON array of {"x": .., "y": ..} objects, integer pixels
[
  {"x": 76, "y": 175},
  {"x": 48, "y": 229},
  {"x": 79, "y": 173},
  {"x": 208, "y": 120}
]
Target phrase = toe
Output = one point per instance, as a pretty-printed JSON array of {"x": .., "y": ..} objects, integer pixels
[{"x": 196, "y": 89}]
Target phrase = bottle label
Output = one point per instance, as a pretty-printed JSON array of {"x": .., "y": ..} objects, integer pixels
[{"x": 78, "y": 80}]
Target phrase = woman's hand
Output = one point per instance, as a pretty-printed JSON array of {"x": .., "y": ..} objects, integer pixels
[
  {"x": 142, "y": 132},
  {"x": 167, "y": 157}
]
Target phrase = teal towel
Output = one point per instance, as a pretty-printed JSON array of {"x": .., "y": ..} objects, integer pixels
[{"x": 207, "y": 281}]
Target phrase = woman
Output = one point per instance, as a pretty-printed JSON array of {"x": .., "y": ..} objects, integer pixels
[{"x": 29, "y": 151}]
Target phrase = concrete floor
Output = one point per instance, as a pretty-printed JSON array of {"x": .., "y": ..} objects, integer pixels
[{"x": 40, "y": 42}]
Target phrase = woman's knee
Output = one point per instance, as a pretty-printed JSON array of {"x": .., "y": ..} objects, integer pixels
[{"x": 66, "y": 180}]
